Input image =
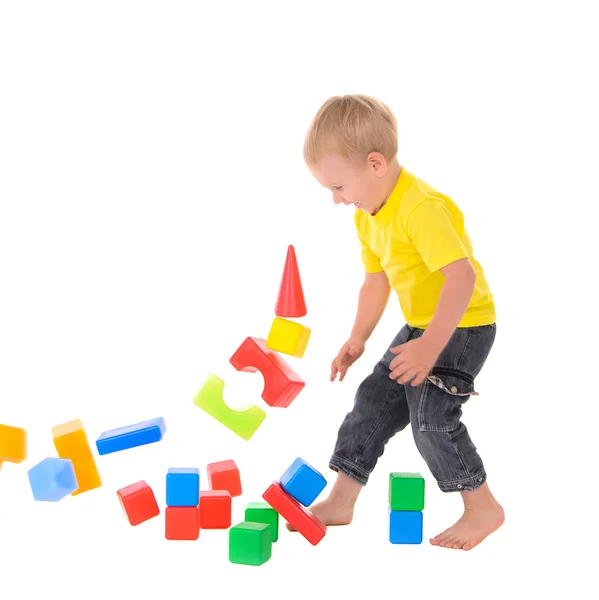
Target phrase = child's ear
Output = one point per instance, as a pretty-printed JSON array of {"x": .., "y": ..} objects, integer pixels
[{"x": 377, "y": 162}]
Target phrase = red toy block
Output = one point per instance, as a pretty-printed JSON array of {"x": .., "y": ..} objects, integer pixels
[
  {"x": 215, "y": 509},
  {"x": 138, "y": 502},
  {"x": 295, "y": 514},
  {"x": 291, "y": 302},
  {"x": 182, "y": 523},
  {"x": 281, "y": 383},
  {"x": 224, "y": 475}
]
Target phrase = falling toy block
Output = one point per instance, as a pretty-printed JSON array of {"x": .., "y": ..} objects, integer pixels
[
  {"x": 138, "y": 502},
  {"x": 215, "y": 509},
  {"x": 290, "y": 301},
  {"x": 281, "y": 383},
  {"x": 243, "y": 422},
  {"x": 70, "y": 441},
  {"x": 13, "y": 444},
  {"x": 183, "y": 487},
  {"x": 262, "y": 512},
  {"x": 250, "y": 543},
  {"x": 288, "y": 337},
  {"x": 52, "y": 479},
  {"x": 303, "y": 482},
  {"x": 405, "y": 526},
  {"x": 131, "y": 436},
  {"x": 293, "y": 512},
  {"x": 406, "y": 491},
  {"x": 182, "y": 523},
  {"x": 224, "y": 475}
]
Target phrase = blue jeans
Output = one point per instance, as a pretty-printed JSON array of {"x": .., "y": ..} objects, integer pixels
[{"x": 383, "y": 407}]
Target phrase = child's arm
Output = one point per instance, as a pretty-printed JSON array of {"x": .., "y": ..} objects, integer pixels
[{"x": 373, "y": 298}]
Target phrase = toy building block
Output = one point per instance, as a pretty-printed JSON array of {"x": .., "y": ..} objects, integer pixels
[
  {"x": 250, "y": 544},
  {"x": 405, "y": 526},
  {"x": 290, "y": 301},
  {"x": 182, "y": 523},
  {"x": 13, "y": 444},
  {"x": 406, "y": 491},
  {"x": 262, "y": 512},
  {"x": 215, "y": 509},
  {"x": 243, "y": 422},
  {"x": 71, "y": 442},
  {"x": 131, "y": 436},
  {"x": 183, "y": 487},
  {"x": 224, "y": 475},
  {"x": 303, "y": 482},
  {"x": 294, "y": 513},
  {"x": 281, "y": 383},
  {"x": 138, "y": 502},
  {"x": 52, "y": 479},
  {"x": 288, "y": 337}
]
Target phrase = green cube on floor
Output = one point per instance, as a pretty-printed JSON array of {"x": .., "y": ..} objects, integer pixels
[
  {"x": 250, "y": 543},
  {"x": 406, "y": 491},
  {"x": 262, "y": 512}
]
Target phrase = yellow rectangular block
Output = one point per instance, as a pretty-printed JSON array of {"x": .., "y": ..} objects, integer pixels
[
  {"x": 13, "y": 444},
  {"x": 288, "y": 337},
  {"x": 71, "y": 442}
]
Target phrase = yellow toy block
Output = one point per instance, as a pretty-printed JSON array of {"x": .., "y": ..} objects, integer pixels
[
  {"x": 71, "y": 442},
  {"x": 13, "y": 444},
  {"x": 288, "y": 337}
]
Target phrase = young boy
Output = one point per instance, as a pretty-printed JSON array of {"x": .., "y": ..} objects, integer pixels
[{"x": 413, "y": 241}]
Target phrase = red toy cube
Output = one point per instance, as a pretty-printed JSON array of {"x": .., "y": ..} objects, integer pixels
[
  {"x": 138, "y": 502},
  {"x": 224, "y": 475},
  {"x": 182, "y": 523},
  {"x": 215, "y": 509}
]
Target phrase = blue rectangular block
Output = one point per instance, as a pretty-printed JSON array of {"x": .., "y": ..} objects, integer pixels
[
  {"x": 183, "y": 487},
  {"x": 131, "y": 436},
  {"x": 405, "y": 526},
  {"x": 303, "y": 482},
  {"x": 52, "y": 479}
]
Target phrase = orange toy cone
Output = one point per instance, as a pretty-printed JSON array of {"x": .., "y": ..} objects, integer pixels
[{"x": 291, "y": 302}]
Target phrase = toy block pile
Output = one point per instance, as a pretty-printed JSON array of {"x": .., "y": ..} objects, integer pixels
[
  {"x": 182, "y": 515},
  {"x": 406, "y": 503}
]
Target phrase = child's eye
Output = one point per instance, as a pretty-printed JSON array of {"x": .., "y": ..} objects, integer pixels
[{"x": 339, "y": 188}]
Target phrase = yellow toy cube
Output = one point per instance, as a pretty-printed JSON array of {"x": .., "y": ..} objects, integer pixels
[
  {"x": 13, "y": 444},
  {"x": 288, "y": 337}
]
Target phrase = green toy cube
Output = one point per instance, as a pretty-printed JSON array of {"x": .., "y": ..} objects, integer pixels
[
  {"x": 250, "y": 543},
  {"x": 406, "y": 491},
  {"x": 262, "y": 512}
]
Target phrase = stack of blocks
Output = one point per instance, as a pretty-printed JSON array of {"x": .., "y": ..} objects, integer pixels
[
  {"x": 182, "y": 515},
  {"x": 406, "y": 503},
  {"x": 216, "y": 503}
]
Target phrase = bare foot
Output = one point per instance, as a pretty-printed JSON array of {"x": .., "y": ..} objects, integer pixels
[{"x": 330, "y": 513}]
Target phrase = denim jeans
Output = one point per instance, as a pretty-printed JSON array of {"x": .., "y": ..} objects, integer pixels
[{"x": 383, "y": 407}]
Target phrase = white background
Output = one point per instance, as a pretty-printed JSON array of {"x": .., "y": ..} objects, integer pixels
[{"x": 151, "y": 179}]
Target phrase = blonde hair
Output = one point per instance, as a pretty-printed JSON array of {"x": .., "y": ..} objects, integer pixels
[{"x": 351, "y": 125}]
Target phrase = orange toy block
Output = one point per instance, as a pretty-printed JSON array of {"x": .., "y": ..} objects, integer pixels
[
  {"x": 138, "y": 502},
  {"x": 182, "y": 523},
  {"x": 224, "y": 475},
  {"x": 13, "y": 444},
  {"x": 291, "y": 302},
  {"x": 215, "y": 509}
]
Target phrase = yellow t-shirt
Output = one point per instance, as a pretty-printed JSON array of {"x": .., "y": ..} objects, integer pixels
[{"x": 417, "y": 232}]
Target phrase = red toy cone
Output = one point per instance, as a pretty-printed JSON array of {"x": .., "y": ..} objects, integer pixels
[{"x": 290, "y": 302}]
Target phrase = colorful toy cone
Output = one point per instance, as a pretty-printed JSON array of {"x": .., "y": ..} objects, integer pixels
[{"x": 291, "y": 302}]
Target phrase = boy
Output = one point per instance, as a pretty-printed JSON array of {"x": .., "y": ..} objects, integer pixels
[{"x": 413, "y": 241}]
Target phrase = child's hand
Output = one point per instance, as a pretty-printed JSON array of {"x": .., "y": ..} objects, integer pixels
[
  {"x": 414, "y": 361},
  {"x": 348, "y": 355}
]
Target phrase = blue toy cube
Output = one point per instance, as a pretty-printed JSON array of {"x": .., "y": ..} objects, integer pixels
[
  {"x": 405, "y": 526},
  {"x": 303, "y": 482},
  {"x": 52, "y": 479},
  {"x": 183, "y": 487}
]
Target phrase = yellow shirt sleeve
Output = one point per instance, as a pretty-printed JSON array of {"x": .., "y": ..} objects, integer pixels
[
  {"x": 436, "y": 233},
  {"x": 372, "y": 263}
]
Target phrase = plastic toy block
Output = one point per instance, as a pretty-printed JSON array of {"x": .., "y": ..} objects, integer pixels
[
  {"x": 406, "y": 491},
  {"x": 131, "y": 436},
  {"x": 288, "y": 337},
  {"x": 71, "y": 442},
  {"x": 294, "y": 513},
  {"x": 138, "y": 502},
  {"x": 250, "y": 544},
  {"x": 303, "y": 482},
  {"x": 243, "y": 422},
  {"x": 13, "y": 444},
  {"x": 215, "y": 509},
  {"x": 52, "y": 479},
  {"x": 405, "y": 526},
  {"x": 224, "y": 475},
  {"x": 281, "y": 383},
  {"x": 262, "y": 512},
  {"x": 183, "y": 487},
  {"x": 182, "y": 523},
  {"x": 290, "y": 301}
]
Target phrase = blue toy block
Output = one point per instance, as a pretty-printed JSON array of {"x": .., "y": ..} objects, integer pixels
[
  {"x": 405, "y": 526},
  {"x": 183, "y": 487},
  {"x": 52, "y": 479},
  {"x": 131, "y": 436},
  {"x": 303, "y": 482}
]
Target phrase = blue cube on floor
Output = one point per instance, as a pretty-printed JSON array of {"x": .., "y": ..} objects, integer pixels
[
  {"x": 303, "y": 482},
  {"x": 131, "y": 436},
  {"x": 183, "y": 487},
  {"x": 405, "y": 526},
  {"x": 52, "y": 479}
]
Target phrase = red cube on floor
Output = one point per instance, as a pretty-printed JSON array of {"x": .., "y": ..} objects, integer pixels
[
  {"x": 215, "y": 509},
  {"x": 138, "y": 502},
  {"x": 182, "y": 522},
  {"x": 224, "y": 475}
]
